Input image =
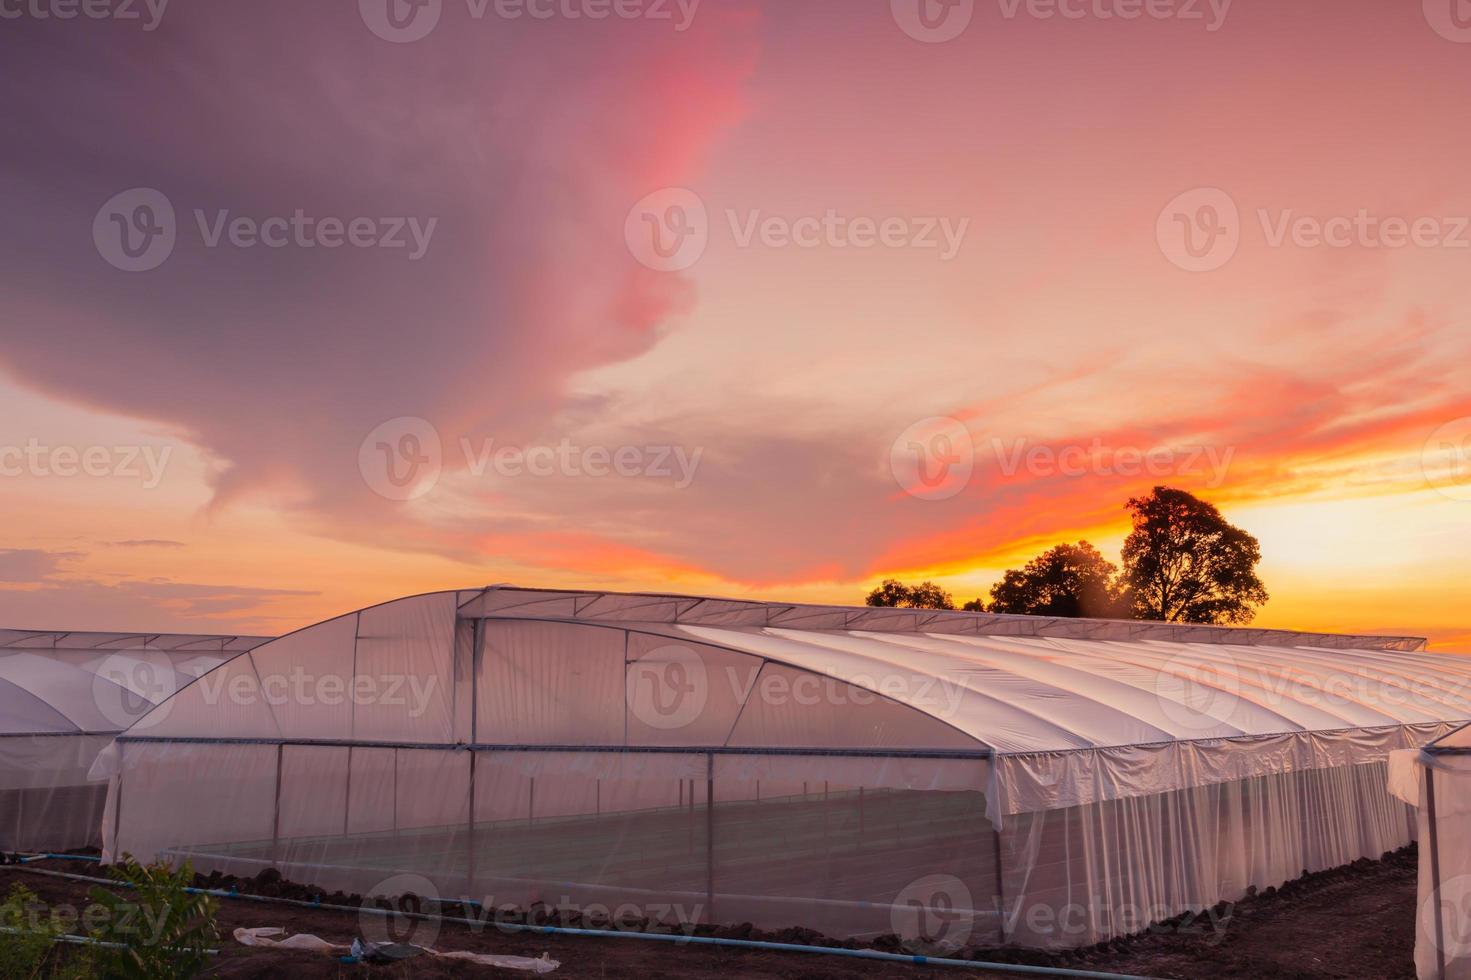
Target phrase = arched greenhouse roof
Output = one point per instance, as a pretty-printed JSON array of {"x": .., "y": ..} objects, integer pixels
[
  {"x": 69, "y": 682},
  {"x": 558, "y": 668}
]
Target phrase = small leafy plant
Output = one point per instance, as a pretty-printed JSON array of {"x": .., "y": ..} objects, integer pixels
[
  {"x": 28, "y": 939},
  {"x": 159, "y": 930}
]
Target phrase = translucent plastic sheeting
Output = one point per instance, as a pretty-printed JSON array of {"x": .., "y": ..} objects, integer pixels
[
  {"x": 1044, "y": 781},
  {"x": 842, "y": 844},
  {"x": 46, "y": 800},
  {"x": 845, "y": 845},
  {"x": 1438, "y": 783},
  {"x": 62, "y": 698},
  {"x": 1084, "y": 874},
  {"x": 858, "y": 772}
]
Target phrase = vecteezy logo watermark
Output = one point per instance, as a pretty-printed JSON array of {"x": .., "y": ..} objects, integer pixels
[
  {"x": 1445, "y": 459},
  {"x": 143, "y": 923},
  {"x": 394, "y": 911},
  {"x": 403, "y": 458},
  {"x": 936, "y": 21},
  {"x": 834, "y": 230},
  {"x": 1070, "y": 923},
  {"x": 401, "y": 21},
  {"x": 127, "y": 686},
  {"x": 933, "y": 459},
  {"x": 1451, "y": 19},
  {"x": 1199, "y": 230},
  {"x": 933, "y": 21},
  {"x": 150, "y": 12},
  {"x": 1199, "y": 695},
  {"x": 669, "y": 230},
  {"x": 136, "y": 231},
  {"x": 36, "y": 459},
  {"x": 1211, "y": 12},
  {"x": 1450, "y": 905},
  {"x": 668, "y": 687},
  {"x": 1099, "y": 459},
  {"x": 935, "y": 912},
  {"x": 416, "y": 694},
  {"x": 405, "y": 21}
]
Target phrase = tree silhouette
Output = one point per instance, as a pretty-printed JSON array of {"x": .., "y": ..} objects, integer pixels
[
  {"x": 925, "y": 595},
  {"x": 1183, "y": 562},
  {"x": 1068, "y": 580}
]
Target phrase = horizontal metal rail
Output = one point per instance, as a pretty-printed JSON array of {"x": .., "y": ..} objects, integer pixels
[{"x": 525, "y": 747}]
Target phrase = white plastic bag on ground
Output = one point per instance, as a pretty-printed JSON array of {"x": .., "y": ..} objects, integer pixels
[{"x": 265, "y": 936}]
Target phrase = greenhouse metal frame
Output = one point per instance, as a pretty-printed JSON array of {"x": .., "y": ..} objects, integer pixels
[
  {"x": 64, "y": 696},
  {"x": 953, "y": 778}
]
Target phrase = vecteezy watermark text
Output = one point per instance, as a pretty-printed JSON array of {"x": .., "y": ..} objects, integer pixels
[
  {"x": 670, "y": 687},
  {"x": 934, "y": 459},
  {"x": 937, "y": 21},
  {"x": 1100, "y": 459},
  {"x": 403, "y": 459},
  {"x": 136, "y": 230},
  {"x": 669, "y": 230},
  {"x": 148, "y": 12},
  {"x": 405, "y": 21},
  {"x": 36, "y": 459},
  {"x": 1200, "y": 230}
]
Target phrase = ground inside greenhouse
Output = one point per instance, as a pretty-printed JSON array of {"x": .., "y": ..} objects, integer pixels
[{"x": 1353, "y": 923}]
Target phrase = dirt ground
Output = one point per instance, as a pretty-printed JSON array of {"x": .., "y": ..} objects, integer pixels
[{"x": 1354, "y": 923}]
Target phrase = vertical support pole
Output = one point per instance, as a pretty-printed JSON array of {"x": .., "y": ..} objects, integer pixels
[
  {"x": 470, "y": 835},
  {"x": 117, "y": 808},
  {"x": 861, "y": 827},
  {"x": 1435, "y": 873},
  {"x": 276, "y": 818},
  {"x": 710, "y": 836},
  {"x": 477, "y": 641},
  {"x": 827, "y": 837},
  {"x": 473, "y": 674},
  {"x": 1000, "y": 883},
  {"x": 347, "y": 794}
]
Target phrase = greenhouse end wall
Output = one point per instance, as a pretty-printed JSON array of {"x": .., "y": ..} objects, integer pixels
[{"x": 64, "y": 695}]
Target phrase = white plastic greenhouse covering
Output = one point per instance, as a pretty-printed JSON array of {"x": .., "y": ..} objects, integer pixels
[
  {"x": 954, "y": 777},
  {"x": 64, "y": 696},
  {"x": 1437, "y": 780}
]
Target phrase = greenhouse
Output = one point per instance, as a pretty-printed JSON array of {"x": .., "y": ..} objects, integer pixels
[
  {"x": 960, "y": 778},
  {"x": 1437, "y": 780},
  {"x": 64, "y": 696}
]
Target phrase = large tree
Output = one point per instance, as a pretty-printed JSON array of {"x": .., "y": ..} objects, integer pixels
[
  {"x": 1183, "y": 562},
  {"x": 1068, "y": 580},
  {"x": 925, "y": 595}
]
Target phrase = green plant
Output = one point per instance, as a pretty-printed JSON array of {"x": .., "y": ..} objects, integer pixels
[
  {"x": 28, "y": 941},
  {"x": 162, "y": 931}
]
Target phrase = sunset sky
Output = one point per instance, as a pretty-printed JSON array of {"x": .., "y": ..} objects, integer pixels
[{"x": 1033, "y": 178}]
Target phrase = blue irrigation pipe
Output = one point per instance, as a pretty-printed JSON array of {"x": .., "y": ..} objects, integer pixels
[{"x": 865, "y": 954}]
